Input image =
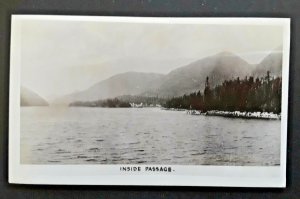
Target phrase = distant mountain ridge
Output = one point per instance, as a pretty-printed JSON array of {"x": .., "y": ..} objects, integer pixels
[
  {"x": 191, "y": 77},
  {"x": 183, "y": 80},
  {"x": 30, "y": 98},
  {"x": 129, "y": 83},
  {"x": 272, "y": 63}
]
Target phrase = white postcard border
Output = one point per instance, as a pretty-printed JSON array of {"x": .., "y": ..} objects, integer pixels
[{"x": 234, "y": 176}]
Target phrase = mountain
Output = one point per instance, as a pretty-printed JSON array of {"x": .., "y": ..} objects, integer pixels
[
  {"x": 30, "y": 98},
  {"x": 272, "y": 63},
  {"x": 129, "y": 83},
  {"x": 184, "y": 80},
  {"x": 190, "y": 78}
]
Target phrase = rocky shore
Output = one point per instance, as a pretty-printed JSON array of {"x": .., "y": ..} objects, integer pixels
[{"x": 237, "y": 114}]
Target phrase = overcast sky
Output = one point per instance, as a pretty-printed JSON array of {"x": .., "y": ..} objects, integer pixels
[{"x": 60, "y": 57}]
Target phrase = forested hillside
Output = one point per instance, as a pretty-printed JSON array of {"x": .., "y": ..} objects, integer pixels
[{"x": 248, "y": 94}]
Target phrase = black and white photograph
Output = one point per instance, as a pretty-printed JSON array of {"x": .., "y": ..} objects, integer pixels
[{"x": 149, "y": 93}]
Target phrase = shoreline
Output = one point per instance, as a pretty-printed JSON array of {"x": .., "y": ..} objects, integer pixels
[
  {"x": 228, "y": 114},
  {"x": 232, "y": 114},
  {"x": 238, "y": 114}
]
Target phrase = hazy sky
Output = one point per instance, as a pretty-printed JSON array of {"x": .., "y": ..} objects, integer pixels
[{"x": 60, "y": 57}]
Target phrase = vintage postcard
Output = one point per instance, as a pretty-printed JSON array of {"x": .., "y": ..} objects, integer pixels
[{"x": 148, "y": 101}]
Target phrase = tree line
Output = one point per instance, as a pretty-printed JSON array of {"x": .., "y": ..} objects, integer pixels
[
  {"x": 121, "y": 102},
  {"x": 109, "y": 103},
  {"x": 249, "y": 94},
  {"x": 137, "y": 99}
]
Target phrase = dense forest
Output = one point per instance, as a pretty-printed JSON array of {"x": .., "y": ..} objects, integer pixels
[
  {"x": 121, "y": 101},
  {"x": 111, "y": 103},
  {"x": 142, "y": 99},
  {"x": 249, "y": 94}
]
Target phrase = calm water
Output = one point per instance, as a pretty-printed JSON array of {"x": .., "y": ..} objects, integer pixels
[{"x": 144, "y": 136}]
